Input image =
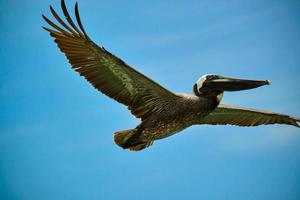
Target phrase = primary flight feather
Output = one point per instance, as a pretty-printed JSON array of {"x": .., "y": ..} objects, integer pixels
[{"x": 162, "y": 112}]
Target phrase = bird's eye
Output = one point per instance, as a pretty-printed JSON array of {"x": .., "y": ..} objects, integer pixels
[
  {"x": 208, "y": 78},
  {"x": 211, "y": 77}
]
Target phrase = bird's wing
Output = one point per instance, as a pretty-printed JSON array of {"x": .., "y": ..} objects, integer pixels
[
  {"x": 238, "y": 116},
  {"x": 106, "y": 72}
]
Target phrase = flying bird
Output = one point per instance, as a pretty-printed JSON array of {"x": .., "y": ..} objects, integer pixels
[{"x": 162, "y": 112}]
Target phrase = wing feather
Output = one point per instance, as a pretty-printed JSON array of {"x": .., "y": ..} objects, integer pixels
[
  {"x": 106, "y": 72},
  {"x": 238, "y": 116}
]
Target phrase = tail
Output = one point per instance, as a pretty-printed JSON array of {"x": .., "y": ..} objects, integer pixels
[{"x": 125, "y": 140}]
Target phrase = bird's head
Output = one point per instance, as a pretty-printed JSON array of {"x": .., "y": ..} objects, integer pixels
[{"x": 213, "y": 85}]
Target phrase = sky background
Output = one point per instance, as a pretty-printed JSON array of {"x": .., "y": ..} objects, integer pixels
[{"x": 56, "y": 130}]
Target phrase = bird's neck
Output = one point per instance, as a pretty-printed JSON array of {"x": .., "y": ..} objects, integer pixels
[{"x": 215, "y": 99}]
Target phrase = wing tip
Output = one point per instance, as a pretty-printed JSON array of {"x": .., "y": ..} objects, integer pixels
[
  {"x": 45, "y": 28},
  {"x": 296, "y": 124},
  {"x": 44, "y": 17},
  {"x": 295, "y": 121},
  {"x": 79, "y": 20},
  {"x": 71, "y": 27}
]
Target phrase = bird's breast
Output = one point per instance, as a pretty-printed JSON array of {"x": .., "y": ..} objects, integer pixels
[{"x": 174, "y": 120}]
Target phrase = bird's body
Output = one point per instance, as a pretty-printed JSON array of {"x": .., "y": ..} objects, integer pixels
[
  {"x": 171, "y": 120},
  {"x": 186, "y": 110},
  {"x": 162, "y": 112}
]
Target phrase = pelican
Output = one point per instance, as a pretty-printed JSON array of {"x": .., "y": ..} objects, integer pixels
[{"x": 162, "y": 112}]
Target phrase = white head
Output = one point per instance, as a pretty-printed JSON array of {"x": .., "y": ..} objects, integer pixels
[{"x": 201, "y": 82}]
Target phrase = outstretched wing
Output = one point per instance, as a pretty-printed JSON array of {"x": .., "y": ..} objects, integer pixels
[
  {"x": 106, "y": 72},
  {"x": 232, "y": 115}
]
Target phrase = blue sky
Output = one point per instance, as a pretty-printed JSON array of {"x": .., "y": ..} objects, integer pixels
[{"x": 56, "y": 130}]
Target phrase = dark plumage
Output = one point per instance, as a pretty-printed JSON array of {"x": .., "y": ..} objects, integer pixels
[{"x": 162, "y": 112}]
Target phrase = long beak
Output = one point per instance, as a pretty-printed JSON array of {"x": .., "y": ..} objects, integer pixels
[{"x": 234, "y": 84}]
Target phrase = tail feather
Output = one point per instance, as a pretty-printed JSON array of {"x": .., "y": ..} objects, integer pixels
[
  {"x": 140, "y": 146},
  {"x": 123, "y": 138}
]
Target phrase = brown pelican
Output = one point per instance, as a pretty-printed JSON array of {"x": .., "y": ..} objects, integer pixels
[{"x": 162, "y": 112}]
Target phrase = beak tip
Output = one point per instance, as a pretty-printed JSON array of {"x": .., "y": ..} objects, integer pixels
[{"x": 268, "y": 82}]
